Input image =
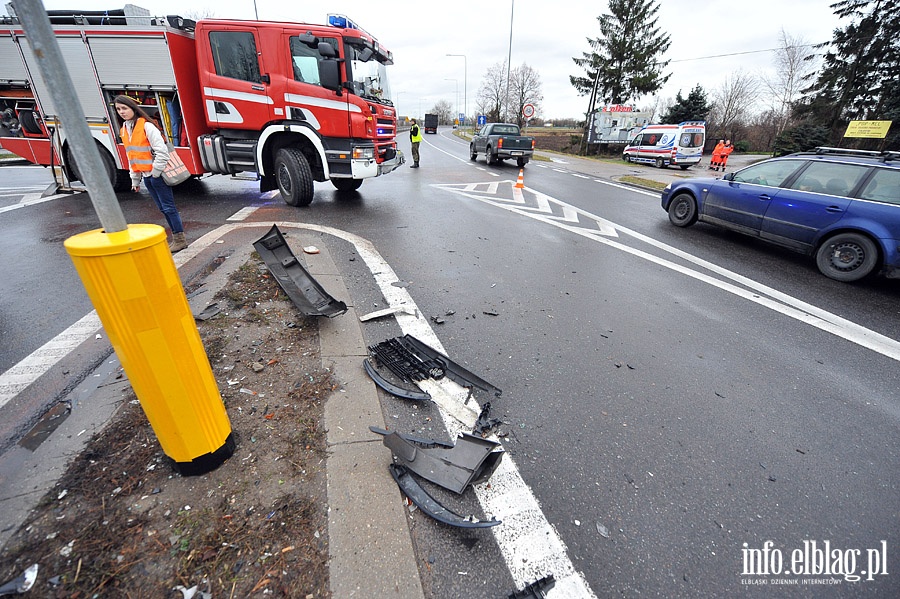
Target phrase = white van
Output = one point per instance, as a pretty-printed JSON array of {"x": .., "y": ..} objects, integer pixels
[{"x": 662, "y": 145}]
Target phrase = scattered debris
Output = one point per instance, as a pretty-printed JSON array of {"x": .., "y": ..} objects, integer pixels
[
  {"x": 490, "y": 313},
  {"x": 388, "y": 312},
  {"x": 437, "y": 320},
  {"x": 470, "y": 461},
  {"x": 604, "y": 532},
  {"x": 392, "y": 388},
  {"x": 22, "y": 584},
  {"x": 536, "y": 590},
  {"x": 430, "y": 506},
  {"x": 311, "y": 249},
  {"x": 306, "y": 293},
  {"x": 485, "y": 424}
]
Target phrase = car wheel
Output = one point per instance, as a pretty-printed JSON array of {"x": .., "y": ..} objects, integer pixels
[
  {"x": 472, "y": 153},
  {"x": 521, "y": 162},
  {"x": 683, "y": 210},
  {"x": 488, "y": 156},
  {"x": 660, "y": 163},
  {"x": 295, "y": 180},
  {"x": 347, "y": 184},
  {"x": 847, "y": 257},
  {"x": 626, "y": 158}
]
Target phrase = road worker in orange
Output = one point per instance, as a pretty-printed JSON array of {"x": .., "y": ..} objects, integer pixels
[
  {"x": 726, "y": 152},
  {"x": 716, "y": 155}
]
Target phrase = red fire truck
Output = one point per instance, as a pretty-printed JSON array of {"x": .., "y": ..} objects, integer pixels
[{"x": 290, "y": 103}]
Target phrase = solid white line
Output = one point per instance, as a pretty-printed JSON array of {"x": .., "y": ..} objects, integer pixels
[{"x": 752, "y": 290}]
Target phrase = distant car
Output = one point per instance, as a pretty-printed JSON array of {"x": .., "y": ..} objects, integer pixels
[{"x": 840, "y": 206}]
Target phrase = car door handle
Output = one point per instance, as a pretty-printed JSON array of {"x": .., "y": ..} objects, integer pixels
[
  {"x": 765, "y": 197},
  {"x": 834, "y": 209}
]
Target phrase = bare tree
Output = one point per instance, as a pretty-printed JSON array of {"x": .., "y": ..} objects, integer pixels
[
  {"x": 525, "y": 88},
  {"x": 792, "y": 69},
  {"x": 444, "y": 110},
  {"x": 733, "y": 101},
  {"x": 492, "y": 92}
]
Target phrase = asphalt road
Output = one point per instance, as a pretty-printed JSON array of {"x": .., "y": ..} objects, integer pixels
[{"x": 673, "y": 398}]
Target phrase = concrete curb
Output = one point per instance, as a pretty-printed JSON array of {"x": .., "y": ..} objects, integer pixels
[{"x": 368, "y": 536}]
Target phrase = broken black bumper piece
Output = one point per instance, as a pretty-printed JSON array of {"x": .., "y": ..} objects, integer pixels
[
  {"x": 536, "y": 590},
  {"x": 470, "y": 461},
  {"x": 306, "y": 293},
  {"x": 412, "y": 360},
  {"x": 430, "y": 506},
  {"x": 391, "y": 387}
]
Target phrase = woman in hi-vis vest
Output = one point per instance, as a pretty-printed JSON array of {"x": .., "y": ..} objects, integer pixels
[{"x": 147, "y": 157}]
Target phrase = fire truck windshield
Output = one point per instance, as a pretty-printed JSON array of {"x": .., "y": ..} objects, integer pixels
[{"x": 370, "y": 78}]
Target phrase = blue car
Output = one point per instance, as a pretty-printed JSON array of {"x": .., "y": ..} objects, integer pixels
[{"x": 840, "y": 206}]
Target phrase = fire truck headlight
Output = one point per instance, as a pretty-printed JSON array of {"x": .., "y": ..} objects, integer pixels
[{"x": 364, "y": 153}]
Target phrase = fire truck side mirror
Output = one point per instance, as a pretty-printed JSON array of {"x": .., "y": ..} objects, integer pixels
[
  {"x": 330, "y": 74},
  {"x": 326, "y": 50}
]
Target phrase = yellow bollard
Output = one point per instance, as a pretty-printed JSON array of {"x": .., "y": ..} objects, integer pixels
[{"x": 132, "y": 281}]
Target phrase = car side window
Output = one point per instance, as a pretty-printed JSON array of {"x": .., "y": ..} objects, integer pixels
[
  {"x": 884, "y": 186},
  {"x": 830, "y": 178},
  {"x": 772, "y": 173}
]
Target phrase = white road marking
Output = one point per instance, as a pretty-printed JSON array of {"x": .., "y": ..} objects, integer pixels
[
  {"x": 752, "y": 290},
  {"x": 23, "y": 374},
  {"x": 38, "y": 200}
]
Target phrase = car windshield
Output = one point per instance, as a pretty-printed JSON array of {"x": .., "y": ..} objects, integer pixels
[{"x": 771, "y": 173}]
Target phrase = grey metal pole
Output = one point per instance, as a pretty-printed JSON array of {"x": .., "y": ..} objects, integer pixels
[
  {"x": 465, "y": 84},
  {"x": 49, "y": 58},
  {"x": 512, "y": 10}
]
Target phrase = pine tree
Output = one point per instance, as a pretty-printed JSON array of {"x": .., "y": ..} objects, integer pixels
[
  {"x": 624, "y": 61},
  {"x": 693, "y": 108},
  {"x": 860, "y": 74}
]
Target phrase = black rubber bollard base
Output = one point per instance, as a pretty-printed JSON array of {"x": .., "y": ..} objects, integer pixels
[{"x": 207, "y": 462}]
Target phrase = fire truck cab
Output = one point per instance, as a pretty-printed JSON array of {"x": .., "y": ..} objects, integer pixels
[{"x": 291, "y": 103}]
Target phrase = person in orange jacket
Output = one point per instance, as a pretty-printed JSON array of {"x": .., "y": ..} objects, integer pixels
[
  {"x": 716, "y": 155},
  {"x": 726, "y": 152}
]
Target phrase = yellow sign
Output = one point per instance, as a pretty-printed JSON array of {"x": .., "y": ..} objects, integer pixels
[{"x": 872, "y": 129}]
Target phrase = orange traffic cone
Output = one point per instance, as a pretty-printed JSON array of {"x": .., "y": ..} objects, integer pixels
[{"x": 520, "y": 182}]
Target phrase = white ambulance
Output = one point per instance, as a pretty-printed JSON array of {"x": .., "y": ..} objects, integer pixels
[{"x": 662, "y": 145}]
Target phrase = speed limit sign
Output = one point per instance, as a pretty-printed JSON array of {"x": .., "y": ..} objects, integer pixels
[{"x": 528, "y": 111}]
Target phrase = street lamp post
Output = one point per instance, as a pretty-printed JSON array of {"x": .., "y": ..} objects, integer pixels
[
  {"x": 456, "y": 81},
  {"x": 465, "y": 84}
]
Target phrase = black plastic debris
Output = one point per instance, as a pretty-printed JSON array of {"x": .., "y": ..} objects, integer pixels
[
  {"x": 430, "y": 506},
  {"x": 413, "y": 361},
  {"x": 485, "y": 424},
  {"x": 391, "y": 388},
  {"x": 208, "y": 312},
  {"x": 306, "y": 293},
  {"x": 470, "y": 461},
  {"x": 21, "y": 584},
  {"x": 536, "y": 590}
]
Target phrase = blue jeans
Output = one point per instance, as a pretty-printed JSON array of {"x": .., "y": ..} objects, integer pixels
[{"x": 165, "y": 201}]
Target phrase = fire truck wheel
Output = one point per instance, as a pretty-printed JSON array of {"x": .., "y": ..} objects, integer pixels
[
  {"x": 295, "y": 180},
  {"x": 347, "y": 184},
  {"x": 118, "y": 178}
]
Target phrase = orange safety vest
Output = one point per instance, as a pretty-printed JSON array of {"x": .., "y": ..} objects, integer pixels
[
  {"x": 137, "y": 146},
  {"x": 717, "y": 151}
]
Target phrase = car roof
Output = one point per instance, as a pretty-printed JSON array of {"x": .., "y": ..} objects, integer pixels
[{"x": 850, "y": 156}]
